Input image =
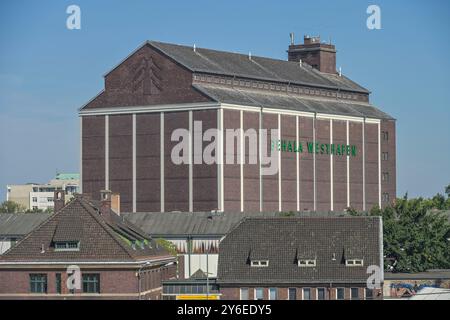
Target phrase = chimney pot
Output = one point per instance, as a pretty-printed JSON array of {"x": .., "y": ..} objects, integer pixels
[{"x": 59, "y": 200}]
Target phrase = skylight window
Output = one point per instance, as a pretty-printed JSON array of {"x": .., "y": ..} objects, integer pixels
[
  {"x": 67, "y": 246},
  {"x": 354, "y": 262},
  {"x": 307, "y": 262},
  {"x": 260, "y": 263}
]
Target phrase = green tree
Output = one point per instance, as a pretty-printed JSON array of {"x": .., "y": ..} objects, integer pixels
[
  {"x": 447, "y": 191},
  {"x": 11, "y": 207},
  {"x": 415, "y": 235}
]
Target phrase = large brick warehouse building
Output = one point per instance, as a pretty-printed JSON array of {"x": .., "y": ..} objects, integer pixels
[{"x": 335, "y": 149}]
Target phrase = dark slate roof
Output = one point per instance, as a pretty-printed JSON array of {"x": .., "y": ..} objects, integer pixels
[
  {"x": 283, "y": 241},
  {"x": 102, "y": 238},
  {"x": 178, "y": 224},
  {"x": 267, "y": 99},
  {"x": 260, "y": 68},
  {"x": 19, "y": 224}
]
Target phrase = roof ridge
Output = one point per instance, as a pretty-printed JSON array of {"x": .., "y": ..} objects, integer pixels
[
  {"x": 102, "y": 222},
  {"x": 38, "y": 227}
]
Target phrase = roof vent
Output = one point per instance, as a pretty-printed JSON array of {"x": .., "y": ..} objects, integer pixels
[
  {"x": 42, "y": 248},
  {"x": 340, "y": 72},
  {"x": 291, "y": 35},
  {"x": 249, "y": 55},
  {"x": 300, "y": 62},
  {"x": 333, "y": 257},
  {"x": 194, "y": 47}
]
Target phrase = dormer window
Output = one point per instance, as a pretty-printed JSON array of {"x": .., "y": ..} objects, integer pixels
[
  {"x": 306, "y": 262},
  {"x": 259, "y": 263},
  {"x": 67, "y": 246},
  {"x": 354, "y": 262}
]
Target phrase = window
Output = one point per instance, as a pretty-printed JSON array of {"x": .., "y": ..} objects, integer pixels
[
  {"x": 385, "y": 176},
  {"x": 292, "y": 294},
  {"x": 385, "y": 156},
  {"x": 244, "y": 293},
  {"x": 385, "y": 135},
  {"x": 354, "y": 293},
  {"x": 272, "y": 293},
  {"x": 385, "y": 197},
  {"x": 306, "y": 263},
  {"x": 58, "y": 282},
  {"x": 259, "y": 294},
  {"x": 67, "y": 246},
  {"x": 34, "y": 199},
  {"x": 35, "y": 207},
  {"x": 38, "y": 283},
  {"x": 321, "y": 294},
  {"x": 260, "y": 263},
  {"x": 306, "y": 294},
  {"x": 50, "y": 199},
  {"x": 369, "y": 294},
  {"x": 340, "y": 294},
  {"x": 91, "y": 283},
  {"x": 354, "y": 262}
]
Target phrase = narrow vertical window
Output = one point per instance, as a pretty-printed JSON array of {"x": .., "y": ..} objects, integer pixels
[{"x": 244, "y": 293}]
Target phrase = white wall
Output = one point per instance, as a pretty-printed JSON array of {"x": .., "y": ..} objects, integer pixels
[{"x": 198, "y": 261}]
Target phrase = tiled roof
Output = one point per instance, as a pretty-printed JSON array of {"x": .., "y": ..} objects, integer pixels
[
  {"x": 19, "y": 224},
  {"x": 235, "y": 64},
  {"x": 248, "y": 97},
  {"x": 173, "y": 224},
  {"x": 283, "y": 241},
  {"x": 100, "y": 239}
]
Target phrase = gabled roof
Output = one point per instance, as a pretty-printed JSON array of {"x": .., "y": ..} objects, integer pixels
[
  {"x": 19, "y": 224},
  {"x": 180, "y": 224},
  {"x": 268, "y": 99},
  {"x": 261, "y": 68},
  {"x": 100, "y": 238},
  {"x": 283, "y": 241}
]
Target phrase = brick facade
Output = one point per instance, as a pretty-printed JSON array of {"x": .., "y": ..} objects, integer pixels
[{"x": 282, "y": 292}]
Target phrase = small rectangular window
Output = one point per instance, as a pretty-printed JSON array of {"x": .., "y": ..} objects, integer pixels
[
  {"x": 34, "y": 199},
  {"x": 369, "y": 294},
  {"x": 58, "y": 282},
  {"x": 354, "y": 293},
  {"x": 340, "y": 294},
  {"x": 306, "y": 294},
  {"x": 67, "y": 246},
  {"x": 306, "y": 262},
  {"x": 260, "y": 263},
  {"x": 38, "y": 283},
  {"x": 272, "y": 293},
  {"x": 385, "y": 156},
  {"x": 91, "y": 283},
  {"x": 354, "y": 262},
  {"x": 321, "y": 294},
  {"x": 385, "y": 135},
  {"x": 244, "y": 293},
  {"x": 292, "y": 294},
  {"x": 385, "y": 197},
  {"x": 259, "y": 294},
  {"x": 385, "y": 176}
]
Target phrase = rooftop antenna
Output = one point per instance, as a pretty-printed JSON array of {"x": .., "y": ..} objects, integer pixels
[
  {"x": 291, "y": 35},
  {"x": 194, "y": 47}
]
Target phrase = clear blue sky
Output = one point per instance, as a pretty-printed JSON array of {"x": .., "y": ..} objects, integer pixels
[{"x": 47, "y": 71}]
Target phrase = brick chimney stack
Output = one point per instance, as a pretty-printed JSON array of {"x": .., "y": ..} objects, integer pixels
[
  {"x": 59, "y": 200},
  {"x": 105, "y": 206},
  {"x": 321, "y": 56}
]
